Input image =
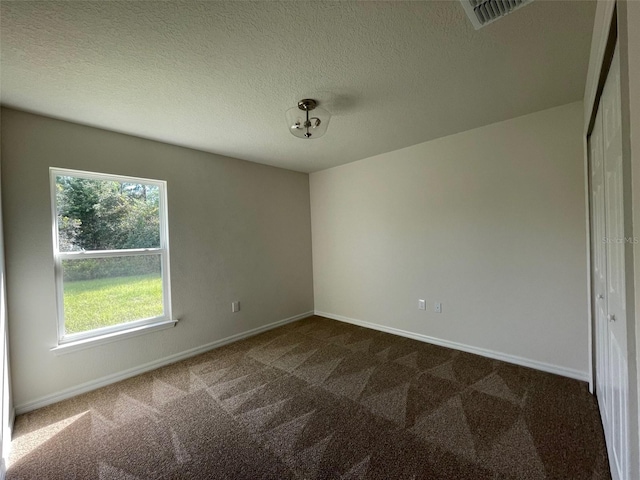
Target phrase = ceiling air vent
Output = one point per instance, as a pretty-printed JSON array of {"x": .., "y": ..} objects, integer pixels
[{"x": 483, "y": 12}]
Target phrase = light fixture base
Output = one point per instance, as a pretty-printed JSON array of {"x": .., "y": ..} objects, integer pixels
[
  {"x": 307, "y": 104},
  {"x": 307, "y": 125}
]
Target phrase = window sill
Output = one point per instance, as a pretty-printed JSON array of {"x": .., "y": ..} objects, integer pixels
[{"x": 74, "y": 346}]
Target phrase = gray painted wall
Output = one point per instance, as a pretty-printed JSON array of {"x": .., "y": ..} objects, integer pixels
[
  {"x": 238, "y": 231},
  {"x": 490, "y": 222}
]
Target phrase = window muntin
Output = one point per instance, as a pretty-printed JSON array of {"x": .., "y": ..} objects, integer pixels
[{"x": 111, "y": 253}]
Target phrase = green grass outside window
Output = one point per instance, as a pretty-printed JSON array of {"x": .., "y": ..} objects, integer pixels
[{"x": 91, "y": 304}]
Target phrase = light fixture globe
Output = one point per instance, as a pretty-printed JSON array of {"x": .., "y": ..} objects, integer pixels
[{"x": 307, "y": 120}]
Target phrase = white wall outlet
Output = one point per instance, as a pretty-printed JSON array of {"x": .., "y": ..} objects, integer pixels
[
  {"x": 438, "y": 307},
  {"x": 235, "y": 307},
  {"x": 422, "y": 304}
]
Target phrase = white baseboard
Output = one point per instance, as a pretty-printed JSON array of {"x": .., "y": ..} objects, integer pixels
[
  {"x": 132, "y": 372},
  {"x": 505, "y": 357}
]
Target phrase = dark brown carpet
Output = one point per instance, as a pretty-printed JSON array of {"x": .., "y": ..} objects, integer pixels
[{"x": 320, "y": 399}]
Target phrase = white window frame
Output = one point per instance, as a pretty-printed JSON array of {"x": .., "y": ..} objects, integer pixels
[{"x": 113, "y": 332}]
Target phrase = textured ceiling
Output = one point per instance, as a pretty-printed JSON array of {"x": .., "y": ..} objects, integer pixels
[{"x": 218, "y": 76}]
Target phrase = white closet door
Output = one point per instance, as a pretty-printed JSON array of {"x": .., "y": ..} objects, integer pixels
[
  {"x": 616, "y": 299},
  {"x": 599, "y": 265},
  {"x": 609, "y": 273}
]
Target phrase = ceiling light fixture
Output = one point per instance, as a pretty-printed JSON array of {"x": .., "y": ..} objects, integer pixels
[{"x": 302, "y": 125}]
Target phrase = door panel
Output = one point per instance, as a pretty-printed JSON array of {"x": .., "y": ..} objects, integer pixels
[
  {"x": 599, "y": 264},
  {"x": 608, "y": 260}
]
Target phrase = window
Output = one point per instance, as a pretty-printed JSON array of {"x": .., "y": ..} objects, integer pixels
[{"x": 111, "y": 254}]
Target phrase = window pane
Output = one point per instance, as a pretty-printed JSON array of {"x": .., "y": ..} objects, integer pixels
[
  {"x": 106, "y": 214},
  {"x": 100, "y": 292}
]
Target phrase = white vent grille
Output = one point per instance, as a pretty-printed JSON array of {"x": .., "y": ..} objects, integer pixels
[{"x": 483, "y": 12}]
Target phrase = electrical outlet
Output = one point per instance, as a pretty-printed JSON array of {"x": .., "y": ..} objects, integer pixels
[
  {"x": 235, "y": 307},
  {"x": 422, "y": 304},
  {"x": 438, "y": 307}
]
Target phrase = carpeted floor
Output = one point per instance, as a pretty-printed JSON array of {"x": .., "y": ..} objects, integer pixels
[{"x": 320, "y": 399}]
